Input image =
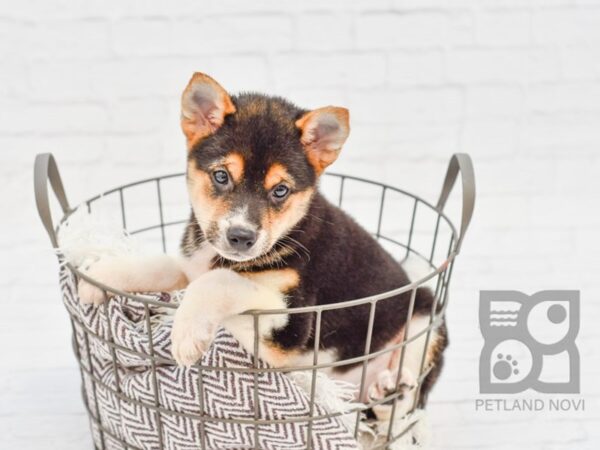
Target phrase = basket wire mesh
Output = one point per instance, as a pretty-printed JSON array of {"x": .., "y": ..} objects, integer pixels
[{"x": 438, "y": 257}]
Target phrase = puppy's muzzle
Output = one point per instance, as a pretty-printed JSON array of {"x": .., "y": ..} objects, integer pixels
[{"x": 241, "y": 239}]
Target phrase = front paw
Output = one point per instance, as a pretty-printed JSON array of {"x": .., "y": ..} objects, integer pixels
[
  {"x": 386, "y": 385},
  {"x": 104, "y": 271},
  {"x": 90, "y": 294},
  {"x": 190, "y": 337},
  {"x": 208, "y": 300}
]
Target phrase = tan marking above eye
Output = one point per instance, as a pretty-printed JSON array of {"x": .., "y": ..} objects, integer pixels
[
  {"x": 275, "y": 175},
  {"x": 234, "y": 163}
]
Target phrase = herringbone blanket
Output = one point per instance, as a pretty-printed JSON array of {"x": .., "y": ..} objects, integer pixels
[{"x": 125, "y": 397}]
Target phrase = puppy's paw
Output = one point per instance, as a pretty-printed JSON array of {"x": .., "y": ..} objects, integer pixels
[
  {"x": 191, "y": 336},
  {"x": 90, "y": 294},
  {"x": 386, "y": 385},
  {"x": 105, "y": 271}
]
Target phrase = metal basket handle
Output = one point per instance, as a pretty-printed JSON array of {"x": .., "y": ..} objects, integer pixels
[
  {"x": 460, "y": 162},
  {"x": 45, "y": 169}
]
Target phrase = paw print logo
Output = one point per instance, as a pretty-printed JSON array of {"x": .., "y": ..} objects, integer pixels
[
  {"x": 522, "y": 335},
  {"x": 505, "y": 367}
]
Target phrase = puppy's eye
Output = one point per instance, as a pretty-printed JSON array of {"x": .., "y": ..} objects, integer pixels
[
  {"x": 280, "y": 192},
  {"x": 221, "y": 177}
]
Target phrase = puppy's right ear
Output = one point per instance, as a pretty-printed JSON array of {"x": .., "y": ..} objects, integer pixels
[{"x": 204, "y": 105}]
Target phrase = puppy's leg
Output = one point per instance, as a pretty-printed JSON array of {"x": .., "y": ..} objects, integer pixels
[
  {"x": 411, "y": 366},
  {"x": 217, "y": 298},
  {"x": 133, "y": 274},
  {"x": 156, "y": 273},
  {"x": 279, "y": 335}
]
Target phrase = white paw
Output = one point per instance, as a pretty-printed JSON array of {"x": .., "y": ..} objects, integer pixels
[
  {"x": 191, "y": 335},
  {"x": 104, "y": 271},
  {"x": 386, "y": 385},
  {"x": 90, "y": 294},
  {"x": 210, "y": 300}
]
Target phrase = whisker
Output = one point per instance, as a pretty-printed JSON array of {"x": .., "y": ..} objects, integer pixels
[
  {"x": 301, "y": 246},
  {"x": 319, "y": 218},
  {"x": 292, "y": 249}
]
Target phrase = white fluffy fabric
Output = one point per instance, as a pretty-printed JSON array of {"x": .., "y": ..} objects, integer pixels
[
  {"x": 85, "y": 238},
  {"x": 334, "y": 395}
]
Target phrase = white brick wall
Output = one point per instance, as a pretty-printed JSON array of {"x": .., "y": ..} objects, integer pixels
[{"x": 516, "y": 83}]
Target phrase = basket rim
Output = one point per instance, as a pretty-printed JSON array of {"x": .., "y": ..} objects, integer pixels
[{"x": 371, "y": 299}]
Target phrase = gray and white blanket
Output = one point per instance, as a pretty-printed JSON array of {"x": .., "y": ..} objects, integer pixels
[{"x": 125, "y": 397}]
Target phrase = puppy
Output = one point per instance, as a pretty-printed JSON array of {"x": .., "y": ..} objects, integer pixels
[{"x": 261, "y": 236}]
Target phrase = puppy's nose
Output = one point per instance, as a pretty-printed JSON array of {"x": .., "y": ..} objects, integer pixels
[{"x": 241, "y": 238}]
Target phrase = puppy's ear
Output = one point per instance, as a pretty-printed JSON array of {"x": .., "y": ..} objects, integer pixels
[
  {"x": 204, "y": 105},
  {"x": 324, "y": 131}
]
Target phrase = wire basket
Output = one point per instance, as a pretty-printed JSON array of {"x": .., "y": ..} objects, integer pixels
[{"x": 405, "y": 224}]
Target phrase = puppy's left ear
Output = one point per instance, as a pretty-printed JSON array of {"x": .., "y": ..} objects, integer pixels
[
  {"x": 324, "y": 131},
  {"x": 204, "y": 105}
]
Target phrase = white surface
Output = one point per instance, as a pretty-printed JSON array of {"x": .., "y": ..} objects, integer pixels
[{"x": 514, "y": 83}]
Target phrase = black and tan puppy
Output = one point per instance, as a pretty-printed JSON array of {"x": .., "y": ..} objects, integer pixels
[{"x": 260, "y": 236}]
